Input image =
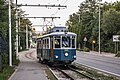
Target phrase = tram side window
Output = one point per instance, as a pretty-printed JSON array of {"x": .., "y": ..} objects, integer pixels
[
  {"x": 43, "y": 43},
  {"x": 57, "y": 43},
  {"x": 47, "y": 43}
]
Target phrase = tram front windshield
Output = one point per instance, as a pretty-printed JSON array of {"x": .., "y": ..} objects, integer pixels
[{"x": 65, "y": 41}]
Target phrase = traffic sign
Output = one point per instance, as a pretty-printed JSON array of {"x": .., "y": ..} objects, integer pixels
[
  {"x": 116, "y": 38},
  {"x": 85, "y": 39}
]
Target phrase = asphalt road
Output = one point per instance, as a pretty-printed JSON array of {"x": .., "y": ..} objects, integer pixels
[
  {"x": 107, "y": 64},
  {"x": 29, "y": 68}
]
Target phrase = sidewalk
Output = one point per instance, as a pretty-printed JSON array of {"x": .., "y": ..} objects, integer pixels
[{"x": 28, "y": 68}]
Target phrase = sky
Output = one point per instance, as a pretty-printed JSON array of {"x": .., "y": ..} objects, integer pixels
[{"x": 72, "y": 7}]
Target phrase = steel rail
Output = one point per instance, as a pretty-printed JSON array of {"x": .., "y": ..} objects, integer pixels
[
  {"x": 60, "y": 70},
  {"x": 71, "y": 78},
  {"x": 87, "y": 76}
]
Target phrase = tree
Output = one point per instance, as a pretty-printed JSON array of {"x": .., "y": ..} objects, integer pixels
[
  {"x": 84, "y": 20},
  {"x": 85, "y": 23}
]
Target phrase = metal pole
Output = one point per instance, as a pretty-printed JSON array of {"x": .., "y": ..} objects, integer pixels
[
  {"x": 93, "y": 46},
  {"x": 16, "y": 31},
  {"x": 10, "y": 41},
  {"x": 99, "y": 27},
  {"x": 26, "y": 37},
  {"x": 115, "y": 47},
  {"x": 19, "y": 30}
]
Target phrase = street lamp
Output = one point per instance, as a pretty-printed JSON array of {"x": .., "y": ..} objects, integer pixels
[{"x": 93, "y": 45}]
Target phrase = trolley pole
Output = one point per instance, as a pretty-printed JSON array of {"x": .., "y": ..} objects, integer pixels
[{"x": 10, "y": 41}]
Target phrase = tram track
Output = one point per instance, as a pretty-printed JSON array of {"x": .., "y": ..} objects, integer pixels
[
  {"x": 60, "y": 74},
  {"x": 73, "y": 72},
  {"x": 69, "y": 74},
  {"x": 82, "y": 72},
  {"x": 29, "y": 55}
]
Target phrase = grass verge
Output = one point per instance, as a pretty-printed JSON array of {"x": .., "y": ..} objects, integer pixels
[
  {"x": 50, "y": 75},
  {"x": 96, "y": 74},
  {"x": 6, "y": 73}
]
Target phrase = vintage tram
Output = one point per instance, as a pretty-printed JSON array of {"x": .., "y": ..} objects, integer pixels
[{"x": 58, "y": 46}]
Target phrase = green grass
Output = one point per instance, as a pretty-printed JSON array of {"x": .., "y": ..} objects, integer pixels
[
  {"x": 50, "y": 75},
  {"x": 6, "y": 73},
  {"x": 118, "y": 54}
]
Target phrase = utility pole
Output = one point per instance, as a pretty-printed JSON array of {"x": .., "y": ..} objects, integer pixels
[
  {"x": 99, "y": 27},
  {"x": 16, "y": 31},
  {"x": 26, "y": 36},
  {"x": 10, "y": 41},
  {"x": 19, "y": 28}
]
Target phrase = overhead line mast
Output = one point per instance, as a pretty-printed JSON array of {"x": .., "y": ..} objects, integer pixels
[
  {"x": 19, "y": 5},
  {"x": 43, "y": 17},
  {"x": 44, "y": 20}
]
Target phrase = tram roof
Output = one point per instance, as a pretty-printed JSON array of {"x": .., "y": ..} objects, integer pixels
[{"x": 59, "y": 34}]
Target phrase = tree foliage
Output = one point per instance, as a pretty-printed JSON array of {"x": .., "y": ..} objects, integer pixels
[
  {"x": 4, "y": 31},
  {"x": 85, "y": 23}
]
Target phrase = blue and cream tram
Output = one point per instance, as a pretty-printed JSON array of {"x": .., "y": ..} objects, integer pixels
[{"x": 57, "y": 47}]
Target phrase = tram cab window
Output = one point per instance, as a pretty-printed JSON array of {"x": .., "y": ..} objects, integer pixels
[
  {"x": 57, "y": 42},
  {"x": 65, "y": 41},
  {"x": 73, "y": 41}
]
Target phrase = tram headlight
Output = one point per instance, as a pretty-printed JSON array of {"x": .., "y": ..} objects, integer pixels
[
  {"x": 56, "y": 57},
  {"x": 74, "y": 56},
  {"x": 66, "y": 54}
]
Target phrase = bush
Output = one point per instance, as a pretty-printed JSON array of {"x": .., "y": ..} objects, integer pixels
[
  {"x": 5, "y": 60},
  {"x": 86, "y": 49},
  {"x": 118, "y": 54},
  {"x": 80, "y": 49},
  {"x": 6, "y": 72}
]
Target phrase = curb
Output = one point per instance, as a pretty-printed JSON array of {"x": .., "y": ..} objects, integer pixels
[{"x": 10, "y": 78}]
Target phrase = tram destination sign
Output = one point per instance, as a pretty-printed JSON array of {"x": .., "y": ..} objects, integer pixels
[{"x": 116, "y": 38}]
